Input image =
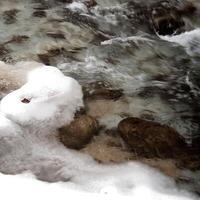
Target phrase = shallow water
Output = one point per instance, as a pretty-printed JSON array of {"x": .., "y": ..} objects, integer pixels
[{"x": 159, "y": 75}]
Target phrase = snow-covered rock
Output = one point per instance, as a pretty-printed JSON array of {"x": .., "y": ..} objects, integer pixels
[
  {"x": 77, "y": 7},
  {"x": 46, "y": 96}
]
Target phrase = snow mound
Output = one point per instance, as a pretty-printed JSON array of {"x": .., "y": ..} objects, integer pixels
[{"x": 45, "y": 94}]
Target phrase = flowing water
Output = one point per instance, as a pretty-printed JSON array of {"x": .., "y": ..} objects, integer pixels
[{"x": 159, "y": 75}]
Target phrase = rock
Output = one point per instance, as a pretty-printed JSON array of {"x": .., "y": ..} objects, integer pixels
[
  {"x": 188, "y": 8},
  {"x": 150, "y": 139},
  {"x": 101, "y": 90},
  {"x": 9, "y": 16},
  {"x": 17, "y": 39},
  {"x": 39, "y": 13},
  {"x": 189, "y": 160},
  {"x": 167, "y": 24},
  {"x": 79, "y": 132},
  {"x": 196, "y": 143},
  {"x": 80, "y": 20},
  {"x": 65, "y": 1},
  {"x": 46, "y": 57},
  {"x": 90, "y": 3},
  {"x": 56, "y": 35},
  {"x": 162, "y": 17},
  {"x": 3, "y": 50}
]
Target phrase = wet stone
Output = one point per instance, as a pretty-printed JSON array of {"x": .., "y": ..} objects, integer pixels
[
  {"x": 188, "y": 8},
  {"x": 3, "y": 51},
  {"x": 150, "y": 139},
  {"x": 111, "y": 60},
  {"x": 56, "y": 35},
  {"x": 65, "y": 1},
  {"x": 163, "y": 17},
  {"x": 189, "y": 160},
  {"x": 79, "y": 132},
  {"x": 46, "y": 57},
  {"x": 90, "y": 3},
  {"x": 78, "y": 19},
  {"x": 39, "y": 13},
  {"x": 167, "y": 24},
  {"x": 101, "y": 90},
  {"x": 10, "y": 16},
  {"x": 17, "y": 39}
]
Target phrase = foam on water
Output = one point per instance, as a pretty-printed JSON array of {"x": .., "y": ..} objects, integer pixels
[
  {"x": 190, "y": 40},
  {"x": 135, "y": 39}
]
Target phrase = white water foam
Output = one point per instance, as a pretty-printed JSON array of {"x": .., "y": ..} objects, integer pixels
[{"x": 190, "y": 40}]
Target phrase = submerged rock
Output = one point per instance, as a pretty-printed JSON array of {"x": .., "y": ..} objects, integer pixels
[
  {"x": 90, "y": 3},
  {"x": 167, "y": 24},
  {"x": 162, "y": 17},
  {"x": 17, "y": 39},
  {"x": 79, "y": 132},
  {"x": 150, "y": 139},
  {"x": 101, "y": 90},
  {"x": 10, "y": 16},
  {"x": 189, "y": 160}
]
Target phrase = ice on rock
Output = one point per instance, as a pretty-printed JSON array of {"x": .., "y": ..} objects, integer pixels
[{"x": 29, "y": 120}]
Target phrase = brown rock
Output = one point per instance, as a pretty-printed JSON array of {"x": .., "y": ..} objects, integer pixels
[
  {"x": 79, "y": 132},
  {"x": 189, "y": 160},
  {"x": 150, "y": 139},
  {"x": 44, "y": 58},
  {"x": 188, "y": 8},
  {"x": 17, "y": 39},
  {"x": 90, "y": 3},
  {"x": 65, "y": 1},
  {"x": 162, "y": 17},
  {"x": 3, "y": 50},
  {"x": 56, "y": 35}
]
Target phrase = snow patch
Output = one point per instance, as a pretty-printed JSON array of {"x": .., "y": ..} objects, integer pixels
[{"x": 77, "y": 7}]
